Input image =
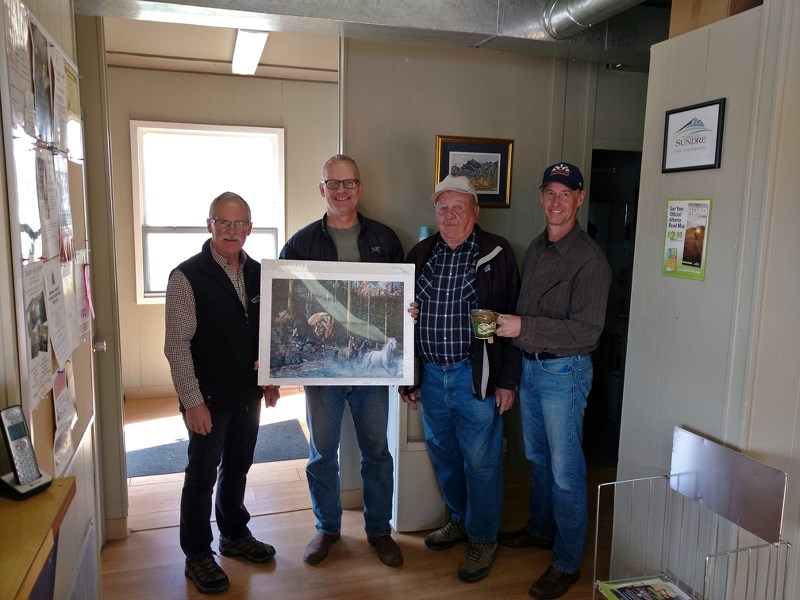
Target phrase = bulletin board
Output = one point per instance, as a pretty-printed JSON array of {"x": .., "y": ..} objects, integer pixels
[{"x": 43, "y": 143}]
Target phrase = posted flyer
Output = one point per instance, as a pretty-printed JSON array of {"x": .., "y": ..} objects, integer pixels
[{"x": 685, "y": 243}]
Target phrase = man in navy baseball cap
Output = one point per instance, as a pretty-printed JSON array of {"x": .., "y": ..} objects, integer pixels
[
  {"x": 565, "y": 173},
  {"x": 559, "y": 317}
]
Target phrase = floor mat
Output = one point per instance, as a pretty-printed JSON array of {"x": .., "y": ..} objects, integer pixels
[{"x": 284, "y": 440}]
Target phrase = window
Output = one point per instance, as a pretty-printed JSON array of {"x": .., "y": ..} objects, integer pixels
[{"x": 178, "y": 169}]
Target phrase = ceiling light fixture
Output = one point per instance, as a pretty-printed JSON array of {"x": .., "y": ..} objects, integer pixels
[{"x": 248, "y": 50}]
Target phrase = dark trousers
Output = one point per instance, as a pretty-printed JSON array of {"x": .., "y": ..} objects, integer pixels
[{"x": 224, "y": 457}]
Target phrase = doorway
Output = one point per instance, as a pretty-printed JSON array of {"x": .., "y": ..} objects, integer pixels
[
  {"x": 154, "y": 500},
  {"x": 614, "y": 195}
]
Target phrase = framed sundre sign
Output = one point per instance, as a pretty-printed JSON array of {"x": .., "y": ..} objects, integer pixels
[{"x": 693, "y": 137}]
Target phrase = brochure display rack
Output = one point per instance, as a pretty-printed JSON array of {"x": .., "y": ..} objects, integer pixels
[{"x": 709, "y": 530}]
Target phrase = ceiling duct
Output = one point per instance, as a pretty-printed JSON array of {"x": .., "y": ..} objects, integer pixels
[
  {"x": 566, "y": 18},
  {"x": 563, "y": 28}
]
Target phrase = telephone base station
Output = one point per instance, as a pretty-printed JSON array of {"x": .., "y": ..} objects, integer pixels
[{"x": 9, "y": 486}]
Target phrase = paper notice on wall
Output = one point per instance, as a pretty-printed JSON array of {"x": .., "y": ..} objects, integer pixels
[
  {"x": 42, "y": 84},
  {"x": 37, "y": 333},
  {"x": 25, "y": 170},
  {"x": 686, "y": 238},
  {"x": 48, "y": 203},
  {"x": 19, "y": 67},
  {"x": 66, "y": 415},
  {"x": 69, "y": 284},
  {"x": 82, "y": 300},
  {"x": 59, "y": 99},
  {"x": 66, "y": 245},
  {"x": 63, "y": 450},
  {"x": 64, "y": 407},
  {"x": 56, "y": 312},
  {"x": 74, "y": 126}
]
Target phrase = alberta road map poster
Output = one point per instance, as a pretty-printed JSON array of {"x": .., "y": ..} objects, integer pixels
[{"x": 686, "y": 238}]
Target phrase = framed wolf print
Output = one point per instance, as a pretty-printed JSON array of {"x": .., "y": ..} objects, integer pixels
[{"x": 336, "y": 323}]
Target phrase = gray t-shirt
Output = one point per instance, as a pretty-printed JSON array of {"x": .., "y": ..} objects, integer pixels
[{"x": 346, "y": 242}]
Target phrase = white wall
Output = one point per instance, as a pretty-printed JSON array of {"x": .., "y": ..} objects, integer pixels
[
  {"x": 717, "y": 356},
  {"x": 307, "y": 111},
  {"x": 398, "y": 97},
  {"x": 56, "y": 17}
]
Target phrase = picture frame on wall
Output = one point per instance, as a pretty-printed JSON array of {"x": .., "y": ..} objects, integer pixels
[
  {"x": 693, "y": 137},
  {"x": 485, "y": 161},
  {"x": 336, "y": 323}
]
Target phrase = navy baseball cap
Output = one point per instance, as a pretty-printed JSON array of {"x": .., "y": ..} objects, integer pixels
[{"x": 565, "y": 173}]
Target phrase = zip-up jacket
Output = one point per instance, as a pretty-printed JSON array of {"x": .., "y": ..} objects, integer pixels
[
  {"x": 376, "y": 242},
  {"x": 499, "y": 364}
]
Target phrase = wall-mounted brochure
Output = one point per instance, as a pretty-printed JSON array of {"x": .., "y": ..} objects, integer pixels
[{"x": 685, "y": 244}]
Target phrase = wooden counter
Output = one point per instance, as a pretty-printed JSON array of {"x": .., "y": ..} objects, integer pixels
[{"x": 27, "y": 535}]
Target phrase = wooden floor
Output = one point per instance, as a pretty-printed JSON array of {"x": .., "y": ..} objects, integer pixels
[{"x": 149, "y": 563}]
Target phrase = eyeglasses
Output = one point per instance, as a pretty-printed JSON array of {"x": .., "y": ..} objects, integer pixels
[
  {"x": 333, "y": 184},
  {"x": 228, "y": 224}
]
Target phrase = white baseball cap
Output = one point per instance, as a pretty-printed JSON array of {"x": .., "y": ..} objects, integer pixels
[{"x": 454, "y": 183}]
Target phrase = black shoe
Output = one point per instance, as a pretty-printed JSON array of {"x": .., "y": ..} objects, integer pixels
[
  {"x": 522, "y": 538},
  {"x": 207, "y": 575},
  {"x": 247, "y": 547},
  {"x": 553, "y": 584}
]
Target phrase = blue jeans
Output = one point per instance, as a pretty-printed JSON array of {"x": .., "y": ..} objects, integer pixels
[
  {"x": 552, "y": 397},
  {"x": 229, "y": 446},
  {"x": 465, "y": 442},
  {"x": 369, "y": 406}
]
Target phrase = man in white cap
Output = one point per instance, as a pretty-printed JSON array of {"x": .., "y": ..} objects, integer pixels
[
  {"x": 562, "y": 309},
  {"x": 466, "y": 383}
]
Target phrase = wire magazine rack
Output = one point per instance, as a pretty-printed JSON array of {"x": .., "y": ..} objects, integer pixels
[{"x": 709, "y": 530}]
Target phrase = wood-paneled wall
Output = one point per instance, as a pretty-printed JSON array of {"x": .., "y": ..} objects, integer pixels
[
  {"x": 307, "y": 111},
  {"x": 718, "y": 356},
  {"x": 56, "y": 17}
]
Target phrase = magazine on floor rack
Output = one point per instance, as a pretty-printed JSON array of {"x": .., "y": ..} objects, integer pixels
[{"x": 642, "y": 589}]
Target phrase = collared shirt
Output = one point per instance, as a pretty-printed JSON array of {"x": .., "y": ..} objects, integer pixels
[
  {"x": 181, "y": 324},
  {"x": 564, "y": 293},
  {"x": 447, "y": 292}
]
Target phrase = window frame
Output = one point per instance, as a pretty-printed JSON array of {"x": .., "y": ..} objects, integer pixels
[{"x": 141, "y": 230}]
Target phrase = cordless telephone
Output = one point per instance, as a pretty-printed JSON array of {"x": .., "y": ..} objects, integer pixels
[{"x": 25, "y": 479}]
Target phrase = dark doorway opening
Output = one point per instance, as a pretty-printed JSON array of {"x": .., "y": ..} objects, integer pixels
[{"x": 613, "y": 199}]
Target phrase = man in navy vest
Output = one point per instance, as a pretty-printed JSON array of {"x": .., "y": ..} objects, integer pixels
[{"x": 212, "y": 318}]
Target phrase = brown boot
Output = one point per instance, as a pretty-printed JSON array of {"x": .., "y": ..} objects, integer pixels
[
  {"x": 388, "y": 550},
  {"x": 317, "y": 549}
]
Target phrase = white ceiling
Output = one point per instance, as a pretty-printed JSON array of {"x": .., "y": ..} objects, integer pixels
[
  {"x": 195, "y": 36},
  {"x": 198, "y": 49}
]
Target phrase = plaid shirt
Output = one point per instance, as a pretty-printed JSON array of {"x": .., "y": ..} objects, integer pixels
[
  {"x": 181, "y": 324},
  {"x": 446, "y": 293}
]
